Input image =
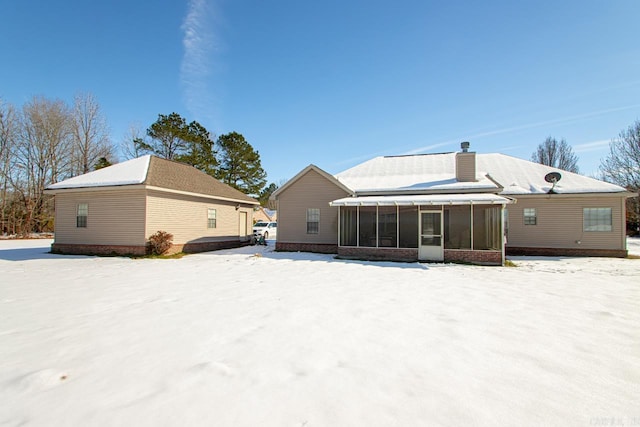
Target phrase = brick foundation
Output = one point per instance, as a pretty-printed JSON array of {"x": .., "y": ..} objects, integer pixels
[
  {"x": 378, "y": 254},
  {"x": 473, "y": 257},
  {"x": 190, "y": 248},
  {"x": 322, "y": 248},
  {"x": 574, "y": 252},
  {"x": 72, "y": 249}
]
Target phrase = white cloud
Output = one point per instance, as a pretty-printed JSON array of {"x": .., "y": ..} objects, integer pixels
[{"x": 197, "y": 67}]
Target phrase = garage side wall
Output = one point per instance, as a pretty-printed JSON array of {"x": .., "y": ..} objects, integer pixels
[
  {"x": 115, "y": 221},
  {"x": 186, "y": 217}
]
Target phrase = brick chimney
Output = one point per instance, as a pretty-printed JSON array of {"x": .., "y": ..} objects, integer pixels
[{"x": 466, "y": 164}]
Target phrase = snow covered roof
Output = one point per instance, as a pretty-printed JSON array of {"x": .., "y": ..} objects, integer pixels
[
  {"x": 155, "y": 172},
  {"x": 426, "y": 199},
  {"x": 435, "y": 173},
  {"x": 126, "y": 173},
  {"x": 519, "y": 176}
]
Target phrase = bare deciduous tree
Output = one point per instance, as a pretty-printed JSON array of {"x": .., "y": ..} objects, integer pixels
[
  {"x": 556, "y": 154},
  {"x": 622, "y": 167},
  {"x": 132, "y": 142},
  {"x": 41, "y": 158},
  {"x": 8, "y": 133},
  {"x": 90, "y": 134}
]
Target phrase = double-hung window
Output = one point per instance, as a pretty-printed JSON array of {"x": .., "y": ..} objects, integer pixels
[
  {"x": 211, "y": 218},
  {"x": 81, "y": 215},
  {"x": 313, "y": 221},
  {"x": 596, "y": 219},
  {"x": 530, "y": 216}
]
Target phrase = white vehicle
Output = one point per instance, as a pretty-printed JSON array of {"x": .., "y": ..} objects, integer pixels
[{"x": 266, "y": 229}]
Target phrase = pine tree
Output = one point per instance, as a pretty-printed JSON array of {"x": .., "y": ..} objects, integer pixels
[
  {"x": 240, "y": 164},
  {"x": 170, "y": 137}
]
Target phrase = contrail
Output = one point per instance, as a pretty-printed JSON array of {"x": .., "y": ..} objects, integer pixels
[
  {"x": 196, "y": 68},
  {"x": 502, "y": 131}
]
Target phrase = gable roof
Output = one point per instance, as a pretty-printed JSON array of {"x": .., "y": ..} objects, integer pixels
[
  {"x": 155, "y": 172},
  {"x": 303, "y": 172},
  {"x": 435, "y": 173}
]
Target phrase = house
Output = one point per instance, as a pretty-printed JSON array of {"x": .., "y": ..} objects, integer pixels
[
  {"x": 261, "y": 214},
  {"x": 462, "y": 207},
  {"x": 116, "y": 209}
]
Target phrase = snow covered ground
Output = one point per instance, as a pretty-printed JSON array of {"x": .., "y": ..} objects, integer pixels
[{"x": 251, "y": 337}]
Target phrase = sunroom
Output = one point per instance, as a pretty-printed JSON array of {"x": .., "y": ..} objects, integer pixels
[{"x": 437, "y": 227}]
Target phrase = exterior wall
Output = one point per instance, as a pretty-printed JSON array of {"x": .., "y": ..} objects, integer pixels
[
  {"x": 559, "y": 224},
  {"x": 186, "y": 218},
  {"x": 116, "y": 218},
  {"x": 312, "y": 190}
]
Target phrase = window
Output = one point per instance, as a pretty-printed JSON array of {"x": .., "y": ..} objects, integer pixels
[
  {"x": 387, "y": 226},
  {"x": 211, "y": 218},
  {"x": 596, "y": 219},
  {"x": 81, "y": 215},
  {"x": 530, "y": 216},
  {"x": 313, "y": 221}
]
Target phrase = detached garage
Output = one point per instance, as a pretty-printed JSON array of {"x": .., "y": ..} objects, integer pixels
[{"x": 114, "y": 210}]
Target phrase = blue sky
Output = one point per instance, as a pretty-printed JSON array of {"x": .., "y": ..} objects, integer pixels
[{"x": 335, "y": 83}]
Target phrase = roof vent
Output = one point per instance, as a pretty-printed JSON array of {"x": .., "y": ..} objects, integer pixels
[{"x": 465, "y": 146}]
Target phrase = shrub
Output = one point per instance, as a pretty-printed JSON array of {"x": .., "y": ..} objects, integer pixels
[{"x": 159, "y": 242}]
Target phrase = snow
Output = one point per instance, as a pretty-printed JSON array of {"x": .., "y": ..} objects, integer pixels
[
  {"x": 432, "y": 172},
  {"x": 130, "y": 172},
  {"x": 415, "y": 200},
  {"x": 436, "y": 172},
  {"x": 254, "y": 337},
  {"x": 520, "y": 176}
]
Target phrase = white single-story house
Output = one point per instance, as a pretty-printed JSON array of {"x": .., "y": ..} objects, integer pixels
[
  {"x": 116, "y": 209},
  {"x": 462, "y": 206}
]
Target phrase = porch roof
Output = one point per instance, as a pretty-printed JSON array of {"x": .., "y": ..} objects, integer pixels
[{"x": 427, "y": 199}]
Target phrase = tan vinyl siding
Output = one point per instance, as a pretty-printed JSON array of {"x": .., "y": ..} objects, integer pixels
[
  {"x": 466, "y": 167},
  {"x": 114, "y": 218},
  {"x": 310, "y": 191},
  {"x": 186, "y": 218},
  {"x": 559, "y": 222}
]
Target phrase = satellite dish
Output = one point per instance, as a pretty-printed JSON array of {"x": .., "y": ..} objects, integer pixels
[{"x": 552, "y": 178}]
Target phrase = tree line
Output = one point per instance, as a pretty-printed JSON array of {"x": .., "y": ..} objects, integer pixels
[
  {"x": 47, "y": 141},
  {"x": 42, "y": 143}
]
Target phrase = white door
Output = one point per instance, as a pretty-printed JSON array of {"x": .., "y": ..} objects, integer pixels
[
  {"x": 430, "y": 247},
  {"x": 243, "y": 226}
]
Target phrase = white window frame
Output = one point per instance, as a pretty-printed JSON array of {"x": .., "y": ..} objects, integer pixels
[
  {"x": 82, "y": 215},
  {"x": 528, "y": 218},
  {"x": 597, "y": 219},
  {"x": 313, "y": 218},
  {"x": 211, "y": 218}
]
